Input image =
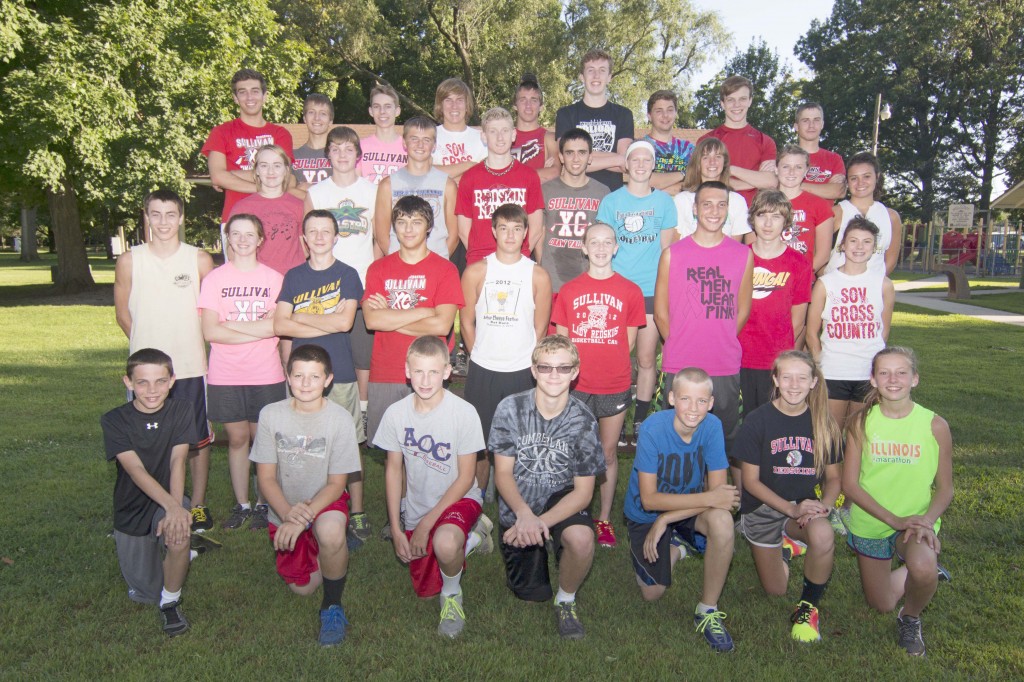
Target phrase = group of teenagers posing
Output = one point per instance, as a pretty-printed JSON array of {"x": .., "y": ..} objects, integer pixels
[{"x": 331, "y": 323}]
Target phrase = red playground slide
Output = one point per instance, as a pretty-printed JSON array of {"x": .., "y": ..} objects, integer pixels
[{"x": 961, "y": 248}]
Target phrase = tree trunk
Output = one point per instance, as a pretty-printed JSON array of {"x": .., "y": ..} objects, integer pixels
[
  {"x": 29, "y": 245},
  {"x": 73, "y": 273}
]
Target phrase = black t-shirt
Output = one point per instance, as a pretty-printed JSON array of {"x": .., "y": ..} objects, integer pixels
[
  {"x": 783, "y": 447},
  {"x": 606, "y": 124},
  {"x": 152, "y": 437}
]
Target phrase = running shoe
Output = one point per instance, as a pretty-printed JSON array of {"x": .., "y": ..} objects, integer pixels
[
  {"x": 634, "y": 440},
  {"x": 805, "y": 623},
  {"x": 237, "y": 518},
  {"x": 836, "y": 521},
  {"x": 175, "y": 622},
  {"x": 359, "y": 525},
  {"x": 482, "y": 529},
  {"x": 910, "y": 639},
  {"x": 605, "y": 534},
  {"x": 944, "y": 575},
  {"x": 569, "y": 625},
  {"x": 792, "y": 548},
  {"x": 202, "y": 519},
  {"x": 710, "y": 625},
  {"x": 453, "y": 618},
  {"x": 623, "y": 438},
  {"x": 259, "y": 520},
  {"x": 332, "y": 625},
  {"x": 200, "y": 544}
]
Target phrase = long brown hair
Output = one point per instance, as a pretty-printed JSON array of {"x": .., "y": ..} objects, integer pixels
[
  {"x": 692, "y": 179},
  {"x": 824, "y": 429},
  {"x": 874, "y": 397}
]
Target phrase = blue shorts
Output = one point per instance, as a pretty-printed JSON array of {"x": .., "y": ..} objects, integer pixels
[{"x": 874, "y": 548}]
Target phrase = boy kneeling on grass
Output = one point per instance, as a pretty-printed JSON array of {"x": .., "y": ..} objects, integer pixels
[
  {"x": 305, "y": 448},
  {"x": 438, "y": 521},
  {"x": 668, "y": 502},
  {"x": 546, "y": 457},
  {"x": 149, "y": 438}
]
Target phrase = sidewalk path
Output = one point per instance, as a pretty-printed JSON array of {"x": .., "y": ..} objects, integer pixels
[{"x": 936, "y": 300}]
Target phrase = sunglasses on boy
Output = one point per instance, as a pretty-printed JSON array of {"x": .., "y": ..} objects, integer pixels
[{"x": 561, "y": 369}]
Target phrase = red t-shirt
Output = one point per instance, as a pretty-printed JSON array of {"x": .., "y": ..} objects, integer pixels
[
  {"x": 779, "y": 284},
  {"x": 429, "y": 283},
  {"x": 596, "y": 312},
  {"x": 529, "y": 148},
  {"x": 748, "y": 148},
  {"x": 238, "y": 142},
  {"x": 282, "y": 225},
  {"x": 823, "y": 165},
  {"x": 809, "y": 211},
  {"x": 481, "y": 191}
]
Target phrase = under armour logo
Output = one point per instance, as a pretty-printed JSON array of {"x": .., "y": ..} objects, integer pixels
[{"x": 154, "y": 425}]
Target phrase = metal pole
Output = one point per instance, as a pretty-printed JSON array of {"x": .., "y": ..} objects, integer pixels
[{"x": 878, "y": 114}]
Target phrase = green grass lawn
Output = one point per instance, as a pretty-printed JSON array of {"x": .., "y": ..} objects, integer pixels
[
  {"x": 65, "y": 614},
  {"x": 1012, "y": 302}
]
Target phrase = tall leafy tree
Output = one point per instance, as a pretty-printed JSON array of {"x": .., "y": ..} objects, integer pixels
[
  {"x": 108, "y": 101},
  {"x": 776, "y": 92}
]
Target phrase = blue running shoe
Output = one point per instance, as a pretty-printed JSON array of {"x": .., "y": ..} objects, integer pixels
[
  {"x": 332, "y": 625},
  {"x": 711, "y": 626}
]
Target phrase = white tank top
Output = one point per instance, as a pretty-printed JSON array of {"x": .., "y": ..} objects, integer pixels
[
  {"x": 851, "y": 330},
  {"x": 163, "y": 307},
  {"x": 505, "y": 334},
  {"x": 879, "y": 215}
]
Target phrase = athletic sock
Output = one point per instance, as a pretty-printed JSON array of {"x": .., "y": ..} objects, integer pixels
[
  {"x": 450, "y": 584},
  {"x": 246, "y": 506},
  {"x": 167, "y": 597},
  {"x": 332, "y": 592},
  {"x": 703, "y": 608},
  {"x": 642, "y": 408},
  {"x": 813, "y": 592},
  {"x": 472, "y": 542},
  {"x": 363, "y": 405},
  {"x": 564, "y": 597}
]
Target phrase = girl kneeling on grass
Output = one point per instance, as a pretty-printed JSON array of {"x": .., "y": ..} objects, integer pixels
[
  {"x": 787, "y": 446},
  {"x": 899, "y": 476}
]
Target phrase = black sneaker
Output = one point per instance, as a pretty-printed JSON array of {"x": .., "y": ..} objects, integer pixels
[
  {"x": 635, "y": 438},
  {"x": 202, "y": 520},
  {"x": 359, "y": 525},
  {"x": 569, "y": 625},
  {"x": 175, "y": 622},
  {"x": 910, "y": 639},
  {"x": 944, "y": 575},
  {"x": 200, "y": 544},
  {"x": 237, "y": 518},
  {"x": 258, "y": 520},
  {"x": 623, "y": 438}
]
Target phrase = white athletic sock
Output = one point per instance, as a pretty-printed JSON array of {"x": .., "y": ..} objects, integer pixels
[
  {"x": 703, "y": 608},
  {"x": 564, "y": 597},
  {"x": 363, "y": 404},
  {"x": 168, "y": 597},
  {"x": 450, "y": 584},
  {"x": 472, "y": 542},
  {"x": 246, "y": 506},
  {"x": 192, "y": 554}
]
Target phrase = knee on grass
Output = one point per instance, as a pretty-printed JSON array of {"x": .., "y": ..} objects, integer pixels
[
  {"x": 650, "y": 592},
  {"x": 315, "y": 580}
]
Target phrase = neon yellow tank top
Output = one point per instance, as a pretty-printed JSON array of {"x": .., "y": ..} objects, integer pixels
[{"x": 897, "y": 468}]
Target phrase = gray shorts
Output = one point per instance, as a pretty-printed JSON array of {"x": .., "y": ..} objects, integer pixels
[
  {"x": 763, "y": 526},
  {"x": 605, "y": 405},
  {"x": 362, "y": 342},
  {"x": 141, "y": 558},
  {"x": 228, "y": 404},
  {"x": 347, "y": 395},
  {"x": 381, "y": 396}
]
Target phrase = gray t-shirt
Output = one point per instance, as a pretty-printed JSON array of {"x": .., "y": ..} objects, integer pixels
[
  {"x": 548, "y": 453},
  {"x": 568, "y": 212},
  {"x": 311, "y": 165},
  {"x": 307, "y": 448},
  {"x": 431, "y": 444}
]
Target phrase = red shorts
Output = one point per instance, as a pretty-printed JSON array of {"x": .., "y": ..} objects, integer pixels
[
  {"x": 424, "y": 571},
  {"x": 298, "y": 565}
]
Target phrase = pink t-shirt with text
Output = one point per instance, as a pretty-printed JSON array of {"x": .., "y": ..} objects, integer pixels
[{"x": 381, "y": 159}]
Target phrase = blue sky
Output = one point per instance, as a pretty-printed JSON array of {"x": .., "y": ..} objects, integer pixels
[{"x": 779, "y": 22}]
